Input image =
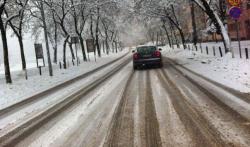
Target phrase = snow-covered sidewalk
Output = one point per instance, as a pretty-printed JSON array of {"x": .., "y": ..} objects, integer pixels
[
  {"x": 233, "y": 73},
  {"x": 21, "y": 88}
]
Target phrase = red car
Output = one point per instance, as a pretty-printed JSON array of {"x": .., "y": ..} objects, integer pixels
[{"x": 147, "y": 56}]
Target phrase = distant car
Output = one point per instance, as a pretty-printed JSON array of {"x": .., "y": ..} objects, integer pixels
[{"x": 146, "y": 56}]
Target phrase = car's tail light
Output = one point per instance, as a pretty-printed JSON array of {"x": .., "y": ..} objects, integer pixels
[
  {"x": 136, "y": 56},
  {"x": 157, "y": 54}
]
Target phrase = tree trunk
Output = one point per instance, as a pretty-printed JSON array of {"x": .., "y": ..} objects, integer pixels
[
  {"x": 92, "y": 33},
  {"x": 46, "y": 40},
  {"x": 107, "y": 46},
  {"x": 55, "y": 40},
  {"x": 103, "y": 46},
  {"x": 97, "y": 33},
  {"x": 20, "y": 40},
  {"x": 83, "y": 48},
  {"x": 106, "y": 42},
  {"x": 225, "y": 36},
  {"x": 112, "y": 47},
  {"x": 55, "y": 54},
  {"x": 71, "y": 50},
  {"x": 116, "y": 48},
  {"x": 64, "y": 52},
  {"x": 195, "y": 37},
  {"x": 169, "y": 41},
  {"x": 182, "y": 37},
  {"x": 174, "y": 36},
  {"x": 5, "y": 52},
  {"x": 98, "y": 46}
]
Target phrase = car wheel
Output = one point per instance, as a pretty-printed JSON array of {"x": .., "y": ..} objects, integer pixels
[{"x": 135, "y": 67}]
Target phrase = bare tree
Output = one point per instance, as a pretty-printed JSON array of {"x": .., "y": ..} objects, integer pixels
[
  {"x": 5, "y": 44},
  {"x": 80, "y": 16},
  {"x": 106, "y": 29},
  {"x": 212, "y": 13},
  {"x": 166, "y": 31},
  {"x": 174, "y": 20},
  {"x": 61, "y": 9},
  {"x": 195, "y": 37},
  {"x": 53, "y": 32},
  {"x": 16, "y": 9},
  {"x": 162, "y": 9},
  {"x": 38, "y": 10}
]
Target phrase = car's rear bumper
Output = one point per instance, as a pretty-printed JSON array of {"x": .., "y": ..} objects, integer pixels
[{"x": 150, "y": 61}]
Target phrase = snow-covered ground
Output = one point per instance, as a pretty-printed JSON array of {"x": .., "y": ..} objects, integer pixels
[
  {"x": 231, "y": 72},
  {"x": 21, "y": 88}
]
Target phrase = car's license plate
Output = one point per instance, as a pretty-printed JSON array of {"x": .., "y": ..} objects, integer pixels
[{"x": 146, "y": 56}]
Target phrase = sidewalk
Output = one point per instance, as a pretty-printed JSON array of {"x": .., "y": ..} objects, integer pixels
[
  {"x": 21, "y": 88},
  {"x": 233, "y": 73}
]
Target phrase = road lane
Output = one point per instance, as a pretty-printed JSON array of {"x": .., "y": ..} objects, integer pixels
[
  {"x": 84, "y": 123},
  {"x": 146, "y": 108},
  {"x": 172, "y": 130},
  {"x": 136, "y": 122}
]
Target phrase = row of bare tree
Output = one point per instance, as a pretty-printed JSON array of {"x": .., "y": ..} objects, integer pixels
[
  {"x": 59, "y": 20},
  {"x": 171, "y": 15}
]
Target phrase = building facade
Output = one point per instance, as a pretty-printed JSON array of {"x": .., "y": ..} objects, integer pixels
[{"x": 199, "y": 18}]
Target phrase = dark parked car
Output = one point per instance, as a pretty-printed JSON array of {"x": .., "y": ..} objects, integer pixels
[{"x": 146, "y": 56}]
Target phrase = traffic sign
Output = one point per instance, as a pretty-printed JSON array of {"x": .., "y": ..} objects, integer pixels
[
  {"x": 234, "y": 2},
  {"x": 39, "y": 51},
  {"x": 90, "y": 45},
  {"x": 39, "y": 55},
  {"x": 235, "y": 12}
]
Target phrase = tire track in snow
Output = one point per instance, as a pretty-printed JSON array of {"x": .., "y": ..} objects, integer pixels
[
  {"x": 201, "y": 132},
  {"x": 180, "y": 68},
  {"x": 122, "y": 126},
  {"x": 227, "y": 122},
  {"x": 235, "y": 104},
  {"x": 135, "y": 123},
  {"x": 137, "y": 140},
  {"x": 153, "y": 138},
  {"x": 172, "y": 131}
]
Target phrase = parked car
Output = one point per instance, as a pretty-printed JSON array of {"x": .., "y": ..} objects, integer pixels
[{"x": 146, "y": 56}]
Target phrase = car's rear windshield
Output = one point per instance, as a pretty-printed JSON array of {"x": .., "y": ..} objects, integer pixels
[{"x": 146, "y": 49}]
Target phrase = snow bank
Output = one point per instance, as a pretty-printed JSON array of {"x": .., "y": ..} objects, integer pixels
[
  {"x": 22, "y": 88},
  {"x": 234, "y": 73}
]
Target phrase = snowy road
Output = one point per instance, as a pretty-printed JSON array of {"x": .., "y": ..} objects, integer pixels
[{"x": 146, "y": 108}]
